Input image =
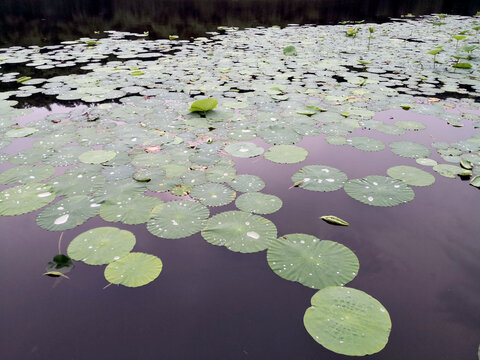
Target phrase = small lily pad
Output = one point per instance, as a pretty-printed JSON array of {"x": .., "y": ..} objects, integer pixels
[
  {"x": 97, "y": 156},
  {"x": 409, "y": 149},
  {"x": 213, "y": 194},
  {"x": 319, "y": 178},
  {"x": 286, "y": 154},
  {"x": 258, "y": 203},
  {"x": 20, "y": 132},
  {"x": 247, "y": 183},
  {"x": 134, "y": 270},
  {"x": 244, "y": 149}
]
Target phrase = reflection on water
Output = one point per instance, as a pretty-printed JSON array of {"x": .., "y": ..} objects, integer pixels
[{"x": 37, "y": 22}]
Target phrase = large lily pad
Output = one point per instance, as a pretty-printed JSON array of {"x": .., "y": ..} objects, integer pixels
[
  {"x": 23, "y": 199},
  {"x": 348, "y": 321},
  {"x": 409, "y": 149},
  {"x": 379, "y": 191},
  {"x": 26, "y": 174},
  {"x": 177, "y": 219},
  {"x": 319, "y": 178},
  {"x": 312, "y": 262},
  {"x": 101, "y": 245},
  {"x": 129, "y": 209},
  {"x": 134, "y": 270},
  {"x": 239, "y": 231},
  {"x": 411, "y": 175}
]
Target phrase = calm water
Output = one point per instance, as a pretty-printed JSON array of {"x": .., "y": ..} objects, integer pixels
[{"x": 419, "y": 259}]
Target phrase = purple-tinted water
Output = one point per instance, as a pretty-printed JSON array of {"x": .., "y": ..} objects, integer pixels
[{"x": 419, "y": 259}]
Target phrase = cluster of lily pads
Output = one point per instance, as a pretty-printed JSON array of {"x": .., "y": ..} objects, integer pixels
[{"x": 179, "y": 120}]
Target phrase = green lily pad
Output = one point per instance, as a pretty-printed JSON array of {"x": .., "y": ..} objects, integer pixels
[
  {"x": 336, "y": 140},
  {"x": 23, "y": 199},
  {"x": 20, "y": 132},
  {"x": 348, "y": 321},
  {"x": 331, "y": 219},
  {"x": 409, "y": 149},
  {"x": 213, "y": 194},
  {"x": 220, "y": 174},
  {"x": 410, "y": 125},
  {"x": 289, "y": 50},
  {"x": 319, "y": 178},
  {"x": 286, "y": 154},
  {"x": 411, "y": 175},
  {"x": 101, "y": 245},
  {"x": 426, "y": 162},
  {"x": 247, "y": 183},
  {"x": 97, "y": 156},
  {"x": 134, "y": 270},
  {"x": 77, "y": 182},
  {"x": 67, "y": 213},
  {"x": 244, "y": 149},
  {"x": 177, "y": 219},
  {"x": 379, "y": 191},
  {"x": 239, "y": 231},
  {"x": 204, "y": 105},
  {"x": 451, "y": 171},
  {"x": 129, "y": 209},
  {"x": 258, "y": 203},
  {"x": 312, "y": 262},
  {"x": 26, "y": 174},
  {"x": 365, "y": 143}
]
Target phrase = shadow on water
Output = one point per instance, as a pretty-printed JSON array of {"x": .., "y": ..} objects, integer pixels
[{"x": 42, "y": 22}]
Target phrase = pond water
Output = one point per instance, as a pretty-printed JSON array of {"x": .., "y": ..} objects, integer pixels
[{"x": 419, "y": 258}]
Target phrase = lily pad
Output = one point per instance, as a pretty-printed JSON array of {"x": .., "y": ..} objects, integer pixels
[
  {"x": 312, "y": 262},
  {"x": 247, "y": 183},
  {"x": 379, "y": 191},
  {"x": 348, "y": 321},
  {"x": 451, "y": 171},
  {"x": 286, "y": 154},
  {"x": 244, "y": 149},
  {"x": 365, "y": 143},
  {"x": 409, "y": 149},
  {"x": 319, "y": 178},
  {"x": 410, "y": 125},
  {"x": 213, "y": 194},
  {"x": 26, "y": 174},
  {"x": 204, "y": 105},
  {"x": 426, "y": 162},
  {"x": 258, "y": 203},
  {"x": 97, "y": 156},
  {"x": 129, "y": 209},
  {"x": 239, "y": 231},
  {"x": 134, "y": 270},
  {"x": 20, "y": 132},
  {"x": 101, "y": 245},
  {"x": 411, "y": 175},
  {"x": 23, "y": 199},
  {"x": 177, "y": 219}
]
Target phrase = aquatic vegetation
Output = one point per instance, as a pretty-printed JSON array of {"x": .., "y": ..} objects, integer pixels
[{"x": 331, "y": 219}]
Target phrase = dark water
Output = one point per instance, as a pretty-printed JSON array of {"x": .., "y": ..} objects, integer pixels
[
  {"x": 38, "y": 22},
  {"x": 419, "y": 259}
]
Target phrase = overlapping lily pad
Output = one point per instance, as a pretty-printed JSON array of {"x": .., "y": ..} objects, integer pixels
[
  {"x": 129, "y": 209},
  {"x": 348, "y": 321},
  {"x": 258, "y": 203},
  {"x": 213, "y": 194},
  {"x": 239, "y": 231},
  {"x": 247, "y": 183},
  {"x": 409, "y": 149},
  {"x": 26, "y": 174},
  {"x": 319, "y": 178},
  {"x": 312, "y": 262},
  {"x": 23, "y": 199},
  {"x": 411, "y": 175}
]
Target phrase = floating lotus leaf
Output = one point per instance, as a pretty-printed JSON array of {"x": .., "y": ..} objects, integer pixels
[
  {"x": 365, "y": 143},
  {"x": 244, "y": 149},
  {"x": 336, "y": 139},
  {"x": 77, "y": 183},
  {"x": 286, "y": 154},
  {"x": 451, "y": 171},
  {"x": 20, "y": 132},
  {"x": 390, "y": 129},
  {"x": 163, "y": 185},
  {"x": 67, "y": 213},
  {"x": 65, "y": 157},
  {"x": 120, "y": 172},
  {"x": 193, "y": 178},
  {"x": 239, "y": 231},
  {"x": 242, "y": 134},
  {"x": 410, "y": 125},
  {"x": 150, "y": 159},
  {"x": 312, "y": 262},
  {"x": 258, "y": 203},
  {"x": 204, "y": 105},
  {"x": 409, "y": 149},
  {"x": 23, "y": 199},
  {"x": 213, "y": 194},
  {"x": 101, "y": 245},
  {"x": 177, "y": 219},
  {"x": 29, "y": 156},
  {"x": 247, "y": 183},
  {"x": 220, "y": 174},
  {"x": 97, "y": 156},
  {"x": 475, "y": 181},
  {"x": 331, "y": 219},
  {"x": 174, "y": 170},
  {"x": 129, "y": 209},
  {"x": 289, "y": 50},
  {"x": 26, "y": 174},
  {"x": 426, "y": 162},
  {"x": 134, "y": 270},
  {"x": 379, "y": 191},
  {"x": 275, "y": 134},
  {"x": 114, "y": 189},
  {"x": 181, "y": 190},
  {"x": 348, "y": 321},
  {"x": 319, "y": 178},
  {"x": 411, "y": 175}
]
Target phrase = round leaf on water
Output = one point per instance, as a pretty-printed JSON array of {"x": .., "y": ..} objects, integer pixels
[
  {"x": 426, "y": 162},
  {"x": 312, "y": 262},
  {"x": 129, "y": 209},
  {"x": 177, "y": 219},
  {"x": 411, "y": 175},
  {"x": 244, "y": 149},
  {"x": 213, "y": 194},
  {"x": 379, "y": 190},
  {"x": 67, "y": 213},
  {"x": 336, "y": 139},
  {"x": 220, "y": 174},
  {"x": 101, "y": 245},
  {"x": 451, "y": 171},
  {"x": 239, "y": 231},
  {"x": 247, "y": 183},
  {"x": 204, "y": 105},
  {"x": 97, "y": 156},
  {"x": 20, "y": 132},
  {"x": 409, "y": 149},
  {"x": 319, "y": 178},
  {"x": 26, "y": 174},
  {"x": 23, "y": 199},
  {"x": 347, "y": 321},
  {"x": 134, "y": 269},
  {"x": 77, "y": 182},
  {"x": 286, "y": 154},
  {"x": 258, "y": 203},
  {"x": 410, "y": 125},
  {"x": 365, "y": 143}
]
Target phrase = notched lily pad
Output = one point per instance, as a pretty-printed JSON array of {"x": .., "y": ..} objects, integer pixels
[{"x": 134, "y": 270}]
